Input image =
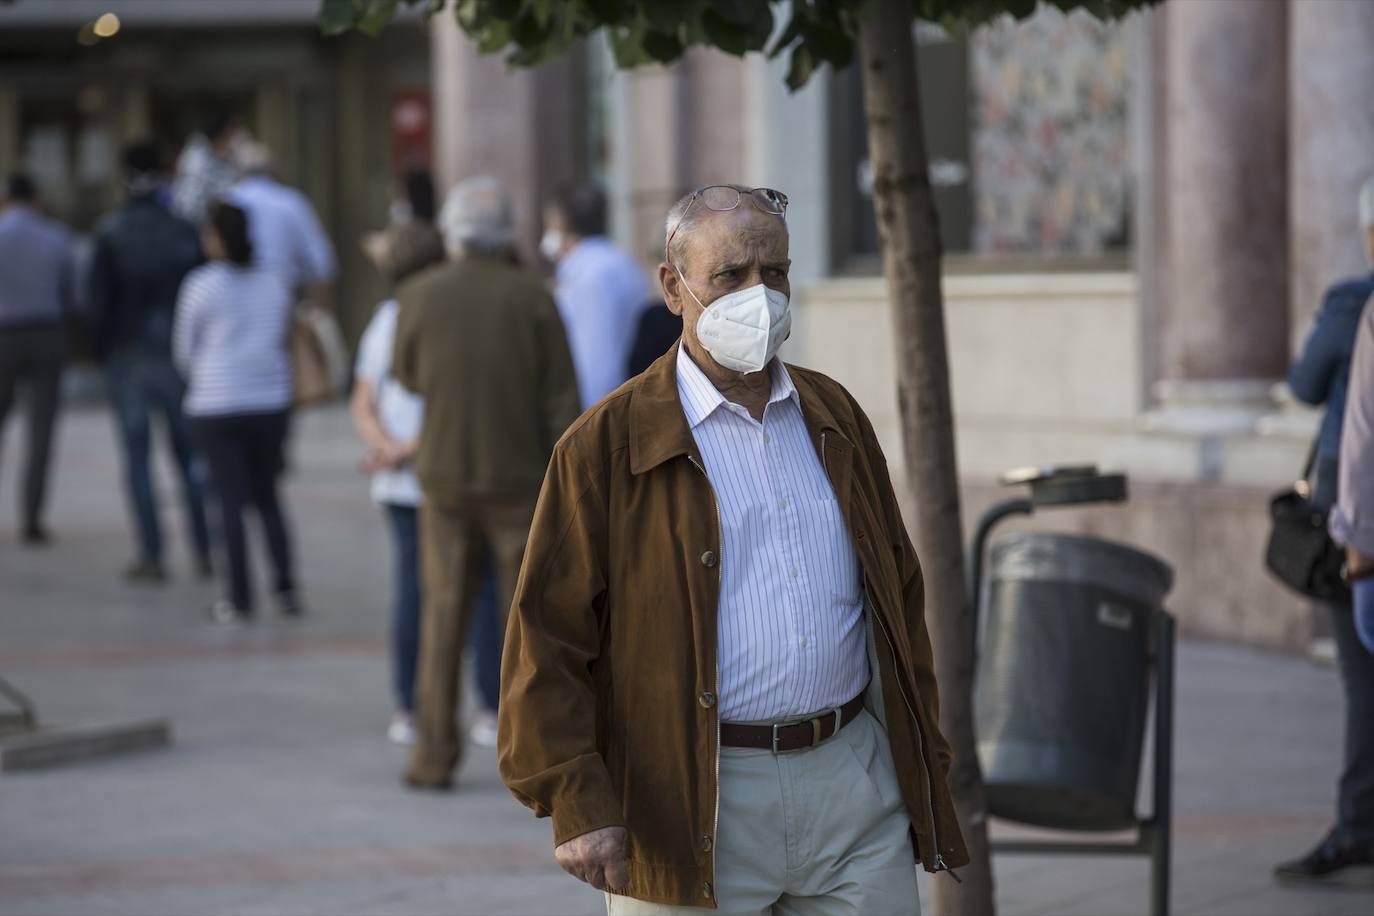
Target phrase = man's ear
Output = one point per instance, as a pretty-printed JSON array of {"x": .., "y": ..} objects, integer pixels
[{"x": 672, "y": 288}]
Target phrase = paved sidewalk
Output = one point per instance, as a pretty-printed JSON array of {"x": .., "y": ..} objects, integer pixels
[{"x": 280, "y": 794}]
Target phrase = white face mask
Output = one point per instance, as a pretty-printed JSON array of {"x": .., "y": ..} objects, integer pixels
[
  {"x": 551, "y": 244},
  {"x": 744, "y": 329}
]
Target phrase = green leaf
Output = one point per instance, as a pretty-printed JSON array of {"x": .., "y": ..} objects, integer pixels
[
  {"x": 662, "y": 47},
  {"x": 800, "y": 68},
  {"x": 739, "y": 12},
  {"x": 668, "y": 16},
  {"x": 376, "y": 15},
  {"x": 738, "y": 36},
  {"x": 627, "y": 45},
  {"x": 724, "y": 34},
  {"x": 337, "y": 16},
  {"x": 492, "y": 36}
]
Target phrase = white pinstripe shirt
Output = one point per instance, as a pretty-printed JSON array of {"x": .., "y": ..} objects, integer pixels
[{"x": 790, "y": 629}]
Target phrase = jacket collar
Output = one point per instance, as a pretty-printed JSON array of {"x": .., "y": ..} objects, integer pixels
[{"x": 658, "y": 426}]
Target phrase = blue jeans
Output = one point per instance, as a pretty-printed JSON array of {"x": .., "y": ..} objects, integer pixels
[
  {"x": 1364, "y": 612},
  {"x": 405, "y": 618},
  {"x": 139, "y": 388},
  {"x": 244, "y": 452},
  {"x": 486, "y": 638}
]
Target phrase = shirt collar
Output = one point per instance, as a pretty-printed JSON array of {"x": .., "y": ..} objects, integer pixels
[{"x": 700, "y": 398}]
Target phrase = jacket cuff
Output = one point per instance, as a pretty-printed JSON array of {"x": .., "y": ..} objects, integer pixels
[{"x": 573, "y": 817}]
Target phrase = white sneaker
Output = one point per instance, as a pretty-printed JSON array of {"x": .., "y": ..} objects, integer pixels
[
  {"x": 483, "y": 730},
  {"x": 402, "y": 730}
]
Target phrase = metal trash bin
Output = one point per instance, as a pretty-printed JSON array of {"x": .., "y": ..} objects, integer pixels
[{"x": 1063, "y": 679}]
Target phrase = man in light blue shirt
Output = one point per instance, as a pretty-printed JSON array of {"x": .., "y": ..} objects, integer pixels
[
  {"x": 601, "y": 291},
  {"x": 286, "y": 232},
  {"x": 35, "y": 295}
]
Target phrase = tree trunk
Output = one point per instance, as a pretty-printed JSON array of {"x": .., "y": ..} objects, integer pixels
[{"x": 909, "y": 233}]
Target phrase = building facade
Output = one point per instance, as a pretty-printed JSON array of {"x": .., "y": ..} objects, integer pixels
[
  {"x": 1140, "y": 218},
  {"x": 332, "y": 110}
]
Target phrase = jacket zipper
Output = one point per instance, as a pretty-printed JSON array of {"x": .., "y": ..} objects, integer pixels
[
  {"x": 939, "y": 862},
  {"x": 715, "y": 687}
]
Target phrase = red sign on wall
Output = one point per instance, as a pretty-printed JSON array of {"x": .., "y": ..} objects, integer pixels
[{"x": 411, "y": 131}]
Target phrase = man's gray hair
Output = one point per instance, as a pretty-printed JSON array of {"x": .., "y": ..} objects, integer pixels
[
  {"x": 477, "y": 217},
  {"x": 1367, "y": 204},
  {"x": 686, "y": 217}
]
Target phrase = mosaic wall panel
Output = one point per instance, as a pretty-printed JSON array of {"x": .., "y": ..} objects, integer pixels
[{"x": 1051, "y": 138}]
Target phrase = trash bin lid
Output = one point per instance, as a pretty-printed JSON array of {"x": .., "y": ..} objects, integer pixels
[{"x": 1051, "y": 556}]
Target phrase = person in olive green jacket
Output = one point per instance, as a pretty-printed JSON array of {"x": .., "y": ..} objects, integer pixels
[
  {"x": 718, "y": 680},
  {"x": 480, "y": 339}
]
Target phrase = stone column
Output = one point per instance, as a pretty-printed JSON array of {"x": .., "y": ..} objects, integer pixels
[
  {"x": 1150, "y": 155},
  {"x": 9, "y": 130},
  {"x": 787, "y": 147},
  {"x": 655, "y": 152},
  {"x": 512, "y": 124},
  {"x": 1225, "y": 323},
  {"x": 1331, "y": 141}
]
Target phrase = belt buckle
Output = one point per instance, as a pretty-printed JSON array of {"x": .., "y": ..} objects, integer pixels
[{"x": 776, "y": 726}]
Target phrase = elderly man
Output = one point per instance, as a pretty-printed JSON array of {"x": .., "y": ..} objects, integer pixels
[
  {"x": 481, "y": 341},
  {"x": 718, "y": 679}
]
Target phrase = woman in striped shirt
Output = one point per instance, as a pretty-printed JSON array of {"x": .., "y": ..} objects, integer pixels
[{"x": 230, "y": 342}]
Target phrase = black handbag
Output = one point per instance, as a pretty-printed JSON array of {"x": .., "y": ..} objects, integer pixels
[{"x": 1300, "y": 552}]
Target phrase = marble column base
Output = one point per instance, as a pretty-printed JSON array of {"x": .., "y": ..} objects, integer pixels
[{"x": 1218, "y": 407}]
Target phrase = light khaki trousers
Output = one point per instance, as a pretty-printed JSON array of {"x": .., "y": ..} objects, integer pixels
[
  {"x": 455, "y": 548},
  {"x": 818, "y": 832}
]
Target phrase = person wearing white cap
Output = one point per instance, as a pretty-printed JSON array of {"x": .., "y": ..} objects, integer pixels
[{"x": 480, "y": 339}]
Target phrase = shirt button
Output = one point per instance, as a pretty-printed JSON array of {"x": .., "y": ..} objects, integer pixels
[
  {"x": 706, "y": 889},
  {"x": 804, "y": 641},
  {"x": 708, "y": 559},
  {"x": 707, "y": 699},
  {"x": 767, "y": 439},
  {"x": 782, "y": 504},
  {"x": 793, "y": 572},
  {"x": 706, "y": 844}
]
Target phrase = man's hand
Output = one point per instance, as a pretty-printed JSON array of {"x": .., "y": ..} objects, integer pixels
[
  {"x": 597, "y": 858},
  {"x": 1357, "y": 565}
]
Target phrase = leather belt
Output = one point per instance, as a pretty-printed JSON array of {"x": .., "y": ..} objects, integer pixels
[{"x": 792, "y": 736}]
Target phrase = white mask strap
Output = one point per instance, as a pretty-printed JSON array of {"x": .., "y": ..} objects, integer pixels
[{"x": 687, "y": 286}]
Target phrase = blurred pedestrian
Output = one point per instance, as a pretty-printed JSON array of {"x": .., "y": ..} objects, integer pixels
[
  {"x": 692, "y": 690},
  {"x": 35, "y": 297},
  {"x": 1325, "y": 374},
  {"x": 411, "y": 200},
  {"x": 207, "y": 169},
  {"x": 481, "y": 341},
  {"x": 142, "y": 254},
  {"x": 414, "y": 198},
  {"x": 388, "y": 420},
  {"x": 600, "y": 289},
  {"x": 229, "y": 340},
  {"x": 657, "y": 331},
  {"x": 287, "y": 236}
]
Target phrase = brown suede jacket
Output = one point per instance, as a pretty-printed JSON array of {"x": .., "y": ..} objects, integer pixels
[{"x": 608, "y": 707}]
